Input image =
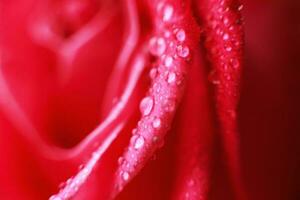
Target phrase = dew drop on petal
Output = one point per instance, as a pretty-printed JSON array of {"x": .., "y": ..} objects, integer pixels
[
  {"x": 156, "y": 123},
  {"x": 168, "y": 61},
  {"x": 121, "y": 160},
  {"x": 153, "y": 73},
  {"x": 171, "y": 77},
  {"x": 225, "y": 36},
  {"x": 146, "y": 105},
  {"x": 240, "y": 7},
  {"x": 235, "y": 63},
  {"x": 157, "y": 46},
  {"x": 183, "y": 51},
  {"x": 180, "y": 35},
  {"x": 167, "y": 12},
  {"x": 138, "y": 141},
  {"x": 125, "y": 176},
  {"x": 226, "y": 21},
  {"x": 228, "y": 49}
]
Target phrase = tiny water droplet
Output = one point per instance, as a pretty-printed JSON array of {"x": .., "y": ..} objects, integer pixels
[
  {"x": 225, "y": 36},
  {"x": 138, "y": 141},
  {"x": 235, "y": 63},
  {"x": 146, "y": 105},
  {"x": 226, "y": 21},
  {"x": 156, "y": 123},
  {"x": 168, "y": 61},
  {"x": 183, "y": 51},
  {"x": 228, "y": 48},
  {"x": 191, "y": 182},
  {"x": 153, "y": 73},
  {"x": 125, "y": 176},
  {"x": 121, "y": 160},
  {"x": 157, "y": 46},
  {"x": 155, "y": 139},
  {"x": 240, "y": 7},
  {"x": 180, "y": 35},
  {"x": 167, "y": 12},
  {"x": 171, "y": 77}
]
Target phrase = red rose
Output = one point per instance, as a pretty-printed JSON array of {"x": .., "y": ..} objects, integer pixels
[{"x": 149, "y": 99}]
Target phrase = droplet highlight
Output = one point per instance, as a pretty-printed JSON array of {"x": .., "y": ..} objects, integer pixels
[
  {"x": 125, "y": 176},
  {"x": 183, "y": 51},
  {"x": 167, "y": 12},
  {"x": 180, "y": 35},
  {"x": 171, "y": 77},
  {"x": 168, "y": 61},
  {"x": 157, "y": 46},
  {"x": 156, "y": 123},
  {"x": 146, "y": 105}
]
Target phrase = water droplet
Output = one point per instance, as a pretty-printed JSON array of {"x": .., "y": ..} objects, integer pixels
[
  {"x": 225, "y": 36},
  {"x": 228, "y": 48},
  {"x": 171, "y": 77},
  {"x": 167, "y": 34},
  {"x": 155, "y": 139},
  {"x": 125, "y": 176},
  {"x": 121, "y": 160},
  {"x": 156, "y": 123},
  {"x": 138, "y": 141},
  {"x": 167, "y": 12},
  {"x": 157, "y": 46},
  {"x": 240, "y": 7},
  {"x": 183, "y": 51},
  {"x": 153, "y": 73},
  {"x": 168, "y": 61},
  {"x": 146, "y": 105},
  {"x": 55, "y": 197},
  {"x": 226, "y": 21},
  {"x": 180, "y": 35}
]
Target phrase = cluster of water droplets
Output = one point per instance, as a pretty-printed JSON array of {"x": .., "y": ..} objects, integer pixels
[
  {"x": 169, "y": 48},
  {"x": 225, "y": 28}
]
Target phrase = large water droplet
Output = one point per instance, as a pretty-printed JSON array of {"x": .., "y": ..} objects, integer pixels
[
  {"x": 180, "y": 35},
  {"x": 183, "y": 51},
  {"x": 146, "y": 105},
  {"x": 157, "y": 46},
  {"x": 168, "y": 61},
  {"x": 156, "y": 123}
]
